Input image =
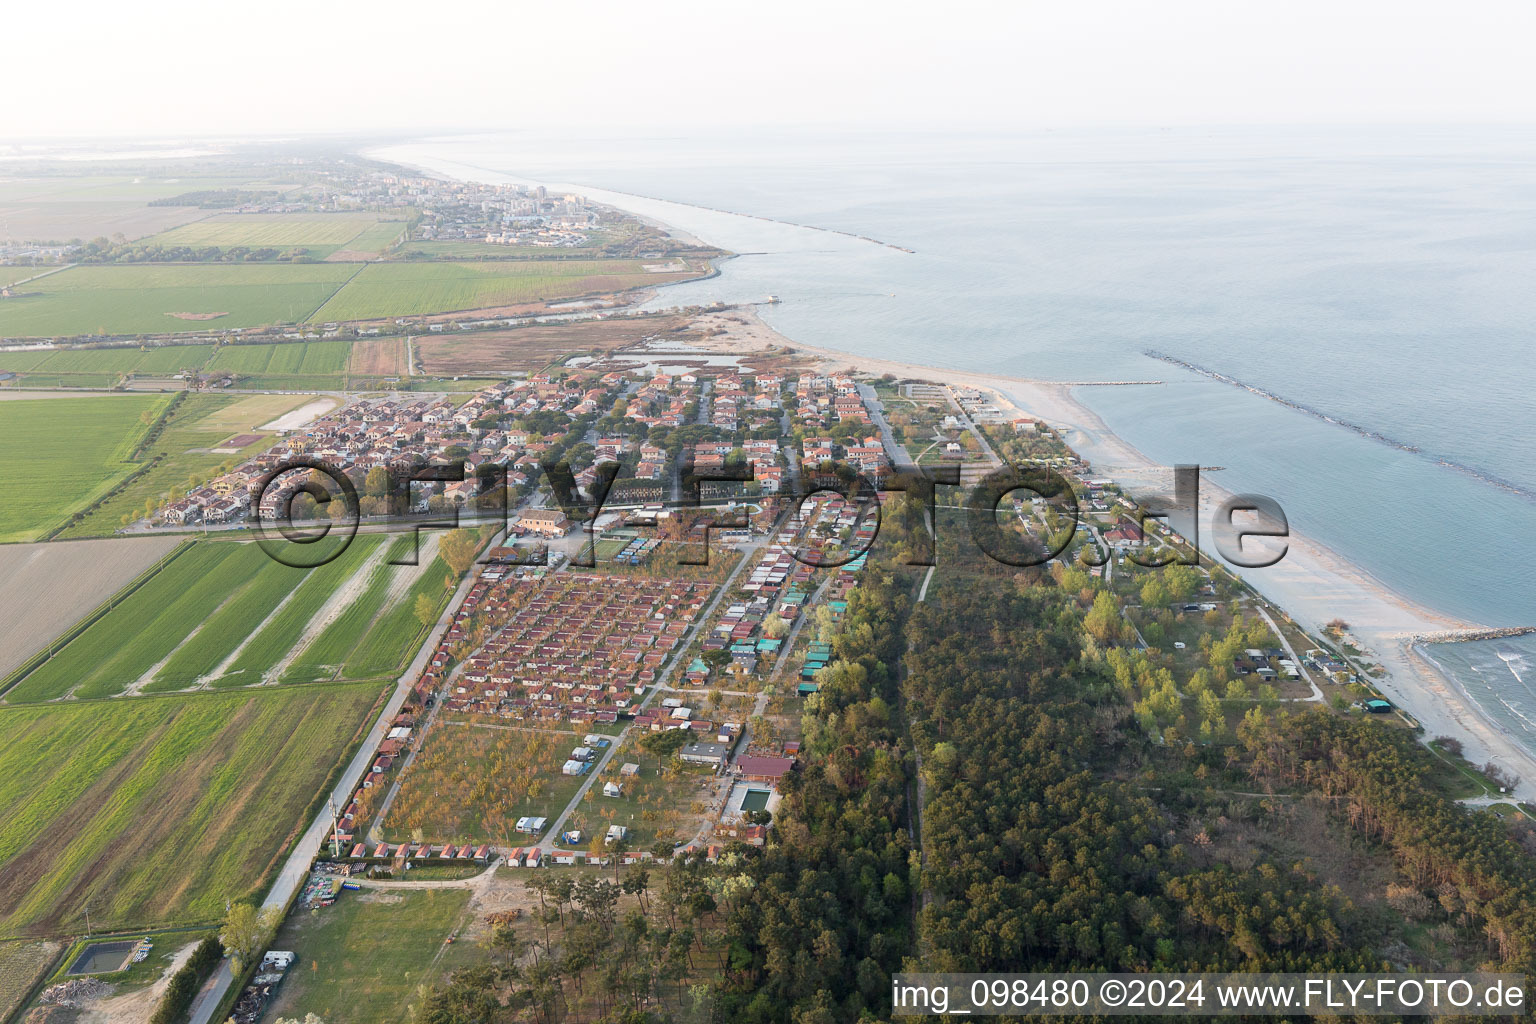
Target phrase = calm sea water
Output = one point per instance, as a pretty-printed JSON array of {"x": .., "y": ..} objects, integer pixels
[{"x": 1383, "y": 279}]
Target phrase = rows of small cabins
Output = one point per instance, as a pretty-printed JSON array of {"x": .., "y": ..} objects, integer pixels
[{"x": 574, "y": 646}]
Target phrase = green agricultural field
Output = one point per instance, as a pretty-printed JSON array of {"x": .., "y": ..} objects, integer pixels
[
  {"x": 57, "y": 455},
  {"x": 311, "y": 358},
  {"x": 397, "y": 633},
  {"x": 201, "y": 422},
  {"x": 187, "y": 619},
  {"x": 377, "y": 238},
  {"x": 271, "y": 230},
  {"x": 158, "y": 810},
  {"x": 102, "y": 367},
  {"x": 415, "y": 289},
  {"x": 225, "y": 629},
  {"x": 50, "y": 381},
  {"x": 285, "y": 629},
  {"x": 148, "y": 299},
  {"x": 329, "y": 651},
  {"x": 119, "y": 359},
  {"x": 371, "y": 954},
  {"x": 292, "y": 382},
  {"x": 11, "y": 274}
]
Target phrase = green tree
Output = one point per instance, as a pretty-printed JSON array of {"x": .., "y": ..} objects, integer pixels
[
  {"x": 376, "y": 483},
  {"x": 1180, "y": 580},
  {"x": 426, "y": 610},
  {"x": 1103, "y": 620},
  {"x": 247, "y": 930},
  {"x": 663, "y": 745},
  {"x": 457, "y": 548}
]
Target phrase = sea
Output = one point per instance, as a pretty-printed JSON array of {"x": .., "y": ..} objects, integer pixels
[{"x": 1344, "y": 319}]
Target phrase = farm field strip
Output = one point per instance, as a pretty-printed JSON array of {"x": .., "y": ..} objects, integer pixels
[
  {"x": 45, "y": 381},
  {"x": 375, "y": 239},
  {"x": 117, "y": 359},
  {"x": 415, "y": 289},
  {"x": 157, "y": 810},
  {"x": 293, "y": 383},
  {"x": 136, "y": 635},
  {"x": 147, "y": 298},
  {"x": 275, "y": 230},
  {"x": 394, "y": 635},
  {"x": 228, "y": 627},
  {"x": 342, "y": 598},
  {"x": 329, "y": 651},
  {"x": 277, "y": 637},
  {"x": 87, "y": 442},
  {"x": 312, "y": 357},
  {"x": 211, "y": 677},
  {"x": 381, "y": 357}
]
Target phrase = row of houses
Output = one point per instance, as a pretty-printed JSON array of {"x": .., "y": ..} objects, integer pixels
[
  {"x": 573, "y": 643},
  {"x": 403, "y": 435},
  {"x": 824, "y": 400},
  {"x": 663, "y": 400},
  {"x": 761, "y": 454},
  {"x": 421, "y": 852},
  {"x": 738, "y": 403},
  {"x": 868, "y": 456}
]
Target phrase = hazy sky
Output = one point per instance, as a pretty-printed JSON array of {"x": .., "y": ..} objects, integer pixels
[{"x": 156, "y": 67}]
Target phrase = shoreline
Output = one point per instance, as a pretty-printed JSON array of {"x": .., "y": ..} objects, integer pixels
[{"x": 1312, "y": 584}]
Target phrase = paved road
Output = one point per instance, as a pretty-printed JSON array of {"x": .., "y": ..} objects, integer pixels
[
  {"x": 969, "y": 424},
  {"x": 921, "y": 802},
  {"x": 1317, "y": 694},
  {"x": 898, "y": 452},
  {"x": 28, "y": 280},
  {"x": 296, "y": 868},
  {"x": 922, "y": 593}
]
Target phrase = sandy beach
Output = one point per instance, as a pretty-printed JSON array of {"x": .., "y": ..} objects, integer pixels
[{"x": 1312, "y": 584}]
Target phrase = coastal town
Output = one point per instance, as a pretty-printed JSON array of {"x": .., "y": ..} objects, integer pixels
[
  {"x": 429, "y": 210},
  {"x": 464, "y": 630}
]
